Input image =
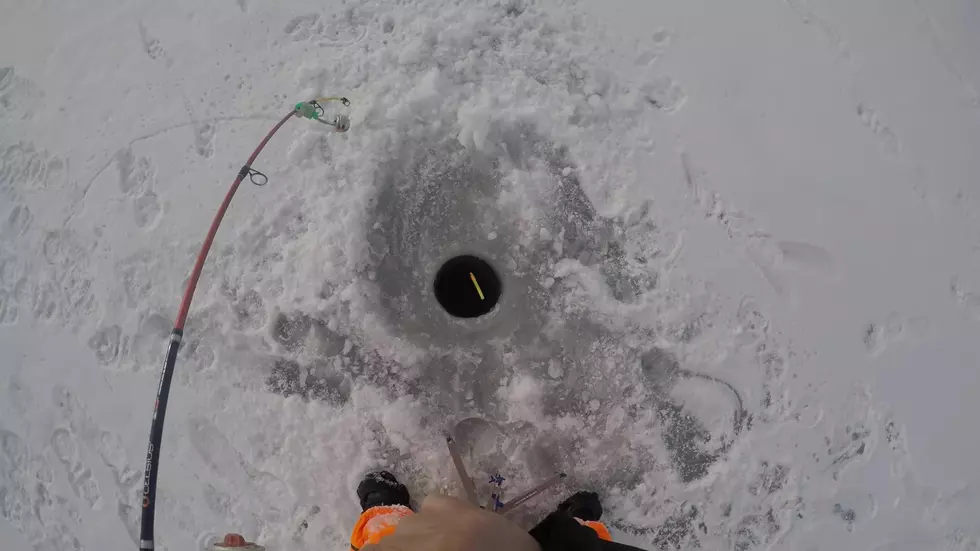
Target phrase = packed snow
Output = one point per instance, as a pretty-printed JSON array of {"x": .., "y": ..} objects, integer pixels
[{"x": 738, "y": 246}]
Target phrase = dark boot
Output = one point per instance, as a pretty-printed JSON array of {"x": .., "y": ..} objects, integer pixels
[
  {"x": 584, "y": 505},
  {"x": 381, "y": 488}
]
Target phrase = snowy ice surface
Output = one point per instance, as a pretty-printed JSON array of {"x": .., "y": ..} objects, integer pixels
[{"x": 739, "y": 243}]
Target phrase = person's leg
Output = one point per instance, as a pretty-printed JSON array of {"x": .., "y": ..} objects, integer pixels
[
  {"x": 587, "y": 510},
  {"x": 384, "y": 502}
]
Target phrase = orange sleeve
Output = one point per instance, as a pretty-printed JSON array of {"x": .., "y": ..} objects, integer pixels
[
  {"x": 599, "y": 528},
  {"x": 376, "y": 523}
]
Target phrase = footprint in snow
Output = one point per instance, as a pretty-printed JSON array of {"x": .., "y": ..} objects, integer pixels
[
  {"x": 147, "y": 210},
  {"x": 204, "y": 139},
  {"x": 661, "y": 40},
  {"x": 895, "y": 437},
  {"x": 303, "y": 27},
  {"x": 40, "y": 296},
  {"x": 808, "y": 258},
  {"x": 135, "y": 174},
  {"x": 105, "y": 344},
  {"x": 770, "y": 479},
  {"x": 25, "y": 168},
  {"x": 853, "y": 508},
  {"x": 6, "y": 78},
  {"x": 854, "y": 435},
  {"x": 69, "y": 288},
  {"x": 888, "y": 140},
  {"x": 229, "y": 467},
  {"x": 665, "y": 94},
  {"x": 80, "y": 478},
  {"x": 19, "y": 220},
  {"x": 17, "y": 93},
  {"x": 26, "y": 500},
  {"x": 203, "y": 133},
  {"x": 968, "y": 300},
  {"x": 337, "y": 29},
  {"x": 114, "y": 456},
  {"x": 80, "y": 433},
  {"x": 9, "y": 313},
  {"x": 895, "y": 328},
  {"x": 151, "y": 46}
]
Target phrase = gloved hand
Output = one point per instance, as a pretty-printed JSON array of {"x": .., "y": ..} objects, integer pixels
[
  {"x": 448, "y": 524},
  {"x": 560, "y": 532}
]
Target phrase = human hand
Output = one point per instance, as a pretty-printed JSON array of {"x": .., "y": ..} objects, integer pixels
[{"x": 448, "y": 524}]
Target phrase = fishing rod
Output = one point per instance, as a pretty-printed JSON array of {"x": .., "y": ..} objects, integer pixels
[{"x": 312, "y": 110}]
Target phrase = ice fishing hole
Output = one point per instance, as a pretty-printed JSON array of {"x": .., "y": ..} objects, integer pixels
[{"x": 467, "y": 287}]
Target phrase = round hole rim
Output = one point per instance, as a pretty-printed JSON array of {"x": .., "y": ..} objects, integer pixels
[{"x": 455, "y": 292}]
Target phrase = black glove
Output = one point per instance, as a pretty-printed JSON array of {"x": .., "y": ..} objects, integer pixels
[{"x": 560, "y": 532}]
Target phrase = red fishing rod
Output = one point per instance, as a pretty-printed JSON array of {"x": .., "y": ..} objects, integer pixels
[{"x": 310, "y": 110}]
